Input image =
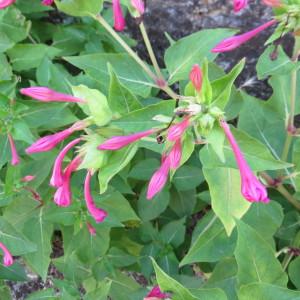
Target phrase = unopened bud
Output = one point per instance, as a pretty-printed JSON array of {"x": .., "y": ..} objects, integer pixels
[{"x": 196, "y": 77}]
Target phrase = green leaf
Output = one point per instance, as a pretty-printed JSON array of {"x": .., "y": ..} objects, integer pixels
[
  {"x": 15, "y": 272},
  {"x": 120, "y": 99},
  {"x": 173, "y": 233},
  {"x": 222, "y": 86},
  {"x": 142, "y": 119},
  {"x": 296, "y": 162},
  {"x": 256, "y": 259},
  {"x": 151, "y": 209},
  {"x": 120, "y": 258},
  {"x": 5, "y": 68},
  {"x": 294, "y": 272},
  {"x": 279, "y": 66},
  {"x": 210, "y": 242},
  {"x": 15, "y": 241},
  {"x": 179, "y": 203},
  {"x": 209, "y": 294},
  {"x": 264, "y": 291},
  {"x": 216, "y": 139},
  {"x": 28, "y": 56},
  {"x": 144, "y": 169},
  {"x": 190, "y": 50},
  {"x": 226, "y": 199},
  {"x": 167, "y": 283},
  {"x": 80, "y": 8},
  {"x": 128, "y": 71},
  {"x": 40, "y": 232},
  {"x": 44, "y": 294},
  {"x": 116, "y": 161},
  {"x": 96, "y": 105}
]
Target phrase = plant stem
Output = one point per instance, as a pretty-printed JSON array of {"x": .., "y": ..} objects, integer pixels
[
  {"x": 287, "y": 144},
  {"x": 150, "y": 50},
  {"x": 290, "y": 198},
  {"x": 287, "y": 260}
]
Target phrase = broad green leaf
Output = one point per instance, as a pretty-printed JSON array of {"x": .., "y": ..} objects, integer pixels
[
  {"x": 222, "y": 87},
  {"x": 296, "y": 162},
  {"x": 256, "y": 259},
  {"x": 15, "y": 241},
  {"x": 190, "y": 50},
  {"x": 151, "y": 209},
  {"x": 144, "y": 169},
  {"x": 167, "y": 283},
  {"x": 5, "y": 68},
  {"x": 210, "y": 242},
  {"x": 142, "y": 119},
  {"x": 209, "y": 294},
  {"x": 183, "y": 202},
  {"x": 256, "y": 153},
  {"x": 44, "y": 294},
  {"x": 128, "y": 71},
  {"x": 28, "y": 56},
  {"x": 116, "y": 161},
  {"x": 120, "y": 99},
  {"x": 80, "y": 8},
  {"x": 294, "y": 272},
  {"x": 120, "y": 258},
  {"x": 62, "y": 215},
  {"x": 15, "y": 272},
  {"x": 279, "y": 66},
  {"x": 173, "y": 233},
  {"x": 216, "y": 139},
  {"x": 4, "y": 150},
  {"x": 5, "y": 291},
  {"x": 96, "y": 105},
  {"x": 40, "y": 232},
  {"x": 226, "y": 199},
  {"x": 264, "y": 291}
]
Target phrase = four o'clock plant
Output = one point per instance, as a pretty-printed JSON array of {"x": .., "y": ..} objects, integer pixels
[{"x": 120, "y": 158}]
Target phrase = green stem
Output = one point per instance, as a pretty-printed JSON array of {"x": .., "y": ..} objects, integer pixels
[
  {"x": 287, "y": 145},
  {"x": 288, "y": 257},
  {"x": 150, "y": 50},
  {"x": 290, "y": 198}
]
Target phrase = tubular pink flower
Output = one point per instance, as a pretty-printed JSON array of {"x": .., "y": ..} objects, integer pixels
[
  {"x": 91, "y": 229},
  {"x": 47, "y": 2},
  {"x": 119, "y": 20},
  {"x": 237, "y": 40},
  {"x": 14, "y": 154},
  {"x": 63, "y": 195},
  {"x": 239, "y": 5},
  {"x": 156, "y": 293},
  {"x": 139, "y": 5},
  {"x": 272, "y": 3},
  {"x": 159, "y": 179},
  {"x": 45, "y": 94},
  {"x": 57, "y": 178},
  {"x": 251, "y": 188},
  {"x": 5, "y": 3},
  {"x": 175, "y": 155},
  {"x": 97, "y": 213},
  {"x": 7, "y": 258},
  {"x": 196, "y": 77},
  {"x": 118, "y": 142},
  {"x": 48, "y": 142},
  {"x": 176, "y": 131}
]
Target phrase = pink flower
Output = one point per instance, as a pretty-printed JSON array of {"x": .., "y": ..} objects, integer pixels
[
  {"x": 273, "y": 3},
  {"x": 159, "y": 179},
  {"x": 5, "y": 3},
  {"x": 156, "y": 293},
  {"x": 252, "y": 189},
  {"x": 175, "y": 155},
  {"x": 28, "y": 178},
  {"x": 119, "y": 21},
  {"x": 7, "y": 259},
  {"x": 14, "y": 154},
  {"x": 45, "y": 94},
  {"x": 63, "y": 195},
  {"x": 57, "y": 178},
  {"x": 196, "y": 77},
  {"x": 91, "y": 229},
  {"x": 139, "y": 6},
  {"x": 47, "y": 2},
  {"x": 97, "y": 213},
  {"x": 239, "y": 5},
  {"x": 235, "y": 41},
  {"x": 48, "y": 142},
  {"x": 118, "y": 142},
  {"x": 176, "y": 131}
]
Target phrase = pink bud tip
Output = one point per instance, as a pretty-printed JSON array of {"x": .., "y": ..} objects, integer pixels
[
  {"x": 47, "y": 2},
  {"x": 175, "y": 155},
  {"x": 7, "y": 258},
  {"x": 97, "y": 213},
  {"x": 156, "y": 293},
  {"x": 234, "y": 42},
  {"x": 14, "y": 154},
  {"x": 139, "y": 5},
  {"x": 251, "y": 188},
  {"x": 119, "y": 20},
  {"x": 28, "y": 178},
  {"x": 159, "y": 179},
  {"x": 118, "y": 142},
  {"x": 176, "y": 131},
  {"x": 91, "y": 229},
  {"x": 196, "y": 77},
  {"x": 45, "y": 94},
  {"x": 273, "y": 3},
  {"x": 239, "y": 5},
  {"x": 5, "y": 3}
]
